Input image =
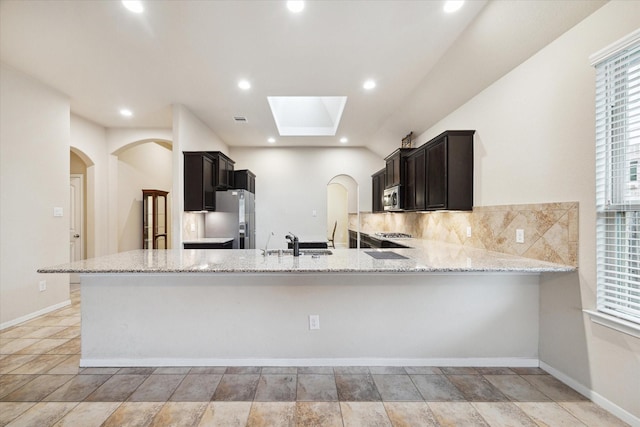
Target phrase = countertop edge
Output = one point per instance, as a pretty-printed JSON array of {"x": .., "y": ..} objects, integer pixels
[{"x": 515, "y": 270}]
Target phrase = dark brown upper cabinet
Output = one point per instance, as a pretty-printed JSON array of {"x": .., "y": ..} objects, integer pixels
[
  {"x": 205, "y": 172},
  {"x": 224, "y": 166},
  {"x": 394, "y": 170},
  {"x": 199, "y": 181},
  {"x": 438, "y": 175},
  {"x": 377, "y": 184},
  {"x": 415, "y": 180},
  {"x": 245, "y": 180},
  {"x": 449, "y": 171}
]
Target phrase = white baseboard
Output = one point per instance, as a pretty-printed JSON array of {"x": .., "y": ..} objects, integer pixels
[
  {"x": 35, "y": 314},
  {"x": 151, "y": 362},
  {"x": 593, "y": 396}
]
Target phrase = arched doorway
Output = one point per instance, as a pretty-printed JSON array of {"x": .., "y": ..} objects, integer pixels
[
  {"x": 144, "y": 164},
  {"x": 342, "y": 201},
  {"x": 81, "y": 222}
]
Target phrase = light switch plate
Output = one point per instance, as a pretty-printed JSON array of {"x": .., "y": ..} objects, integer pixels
[
  {"x": 314, "y": 321},
  {"x": 57, "y": 211}
]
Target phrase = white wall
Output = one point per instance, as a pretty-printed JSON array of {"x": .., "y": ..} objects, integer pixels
[
  {"x": 143, "y": 166},
  {"x": 292, "y": 182},
  {"x": 34, "y": 178},
  {"x": 534, "y": 144}
]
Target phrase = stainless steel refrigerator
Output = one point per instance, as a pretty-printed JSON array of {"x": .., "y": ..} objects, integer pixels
[{"x": 234, "y": 217}]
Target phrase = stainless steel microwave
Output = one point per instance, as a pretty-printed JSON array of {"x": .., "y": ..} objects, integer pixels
[{"x": 392, "y": 199}]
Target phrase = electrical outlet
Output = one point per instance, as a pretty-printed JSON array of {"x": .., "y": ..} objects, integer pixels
[
  {"x": 58, "y": 212},
  {"x": 314, "y": 213},
  {"x": 314, "y": 321},
  {"x": 469, "y": 231},
  {"x": 42, "y": 285},
  {"x": 519, "y": 235},
  {"x": 193, "y": 227}
]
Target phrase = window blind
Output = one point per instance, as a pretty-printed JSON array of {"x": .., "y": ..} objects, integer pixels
[{"x": 617, "y": 186}]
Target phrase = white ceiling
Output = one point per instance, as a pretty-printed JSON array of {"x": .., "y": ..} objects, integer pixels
[{"x": 425, "y": 62}]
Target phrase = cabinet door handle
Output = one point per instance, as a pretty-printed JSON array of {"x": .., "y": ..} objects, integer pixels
[{"x": 75, "y": 236}]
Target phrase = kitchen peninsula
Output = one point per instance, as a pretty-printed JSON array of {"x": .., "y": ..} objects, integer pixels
[{"x": 438, "y": 304}]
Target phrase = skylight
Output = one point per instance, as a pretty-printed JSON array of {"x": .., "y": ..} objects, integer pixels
[{"x": 307, "y": 115}]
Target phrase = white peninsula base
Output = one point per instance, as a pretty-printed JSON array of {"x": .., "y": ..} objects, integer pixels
[{"x": 410, "y": 319}]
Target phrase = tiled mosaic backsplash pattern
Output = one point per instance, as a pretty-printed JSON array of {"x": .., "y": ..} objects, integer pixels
[{"x": 550, "y": 229}]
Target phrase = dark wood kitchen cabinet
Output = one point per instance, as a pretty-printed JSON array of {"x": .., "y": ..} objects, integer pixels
[
  {"x": 377, "y": 185},
  {"x": 245, "y": 180},
  {"x": 438, "y": 175},
  {"x": 199, "y": 181},
  {"x": 205, "y": 172},
  {"x": 415, "y": 180},
  {"x": 224, "y": 167},
  {"x": 449, "y": 171},
  {"x": 394, "y": 169}
]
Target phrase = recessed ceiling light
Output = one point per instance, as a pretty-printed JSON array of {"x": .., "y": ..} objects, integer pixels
[
  {"x": 451, "y": 6},
  {"x": 134, "y": 6},
  {"x": 244, "y": 84},
  {"x": 369, "y": 84},
  {"x": 295, "y": 6},
  {"x": 126, "y": 112},
  {"x": 271, "y": 140},
  {"x": 344, "y": 140}
]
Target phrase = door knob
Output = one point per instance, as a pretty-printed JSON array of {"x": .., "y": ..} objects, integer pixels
[{"x": 75, "y": 236}]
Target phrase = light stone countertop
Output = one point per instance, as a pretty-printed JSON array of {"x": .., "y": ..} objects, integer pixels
[{"x": 427, "y": 257}]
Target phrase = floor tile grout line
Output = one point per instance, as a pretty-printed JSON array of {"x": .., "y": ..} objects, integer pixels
[{"x": 569, "y": 412}]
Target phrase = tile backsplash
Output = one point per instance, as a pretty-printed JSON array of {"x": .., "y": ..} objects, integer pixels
[
  {"x": 550, "y": 229},
  {"x": 192, "y": 226}
]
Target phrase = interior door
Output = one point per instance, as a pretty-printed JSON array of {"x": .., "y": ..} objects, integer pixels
[{"x": 75, "y": 222}]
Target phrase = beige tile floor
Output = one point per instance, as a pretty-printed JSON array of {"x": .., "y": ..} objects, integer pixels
[{"x": 42, "y": 385}]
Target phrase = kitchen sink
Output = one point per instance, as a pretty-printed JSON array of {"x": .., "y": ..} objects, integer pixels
[{"x": 302, "y": 252}]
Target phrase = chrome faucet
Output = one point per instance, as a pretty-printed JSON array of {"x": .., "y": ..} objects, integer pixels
[
  {"x": 265, "y": 251},
  {"x": 295, "y": 242}
]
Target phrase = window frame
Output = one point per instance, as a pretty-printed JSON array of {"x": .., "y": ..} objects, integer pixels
[{"x": 617, "y": 194}]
